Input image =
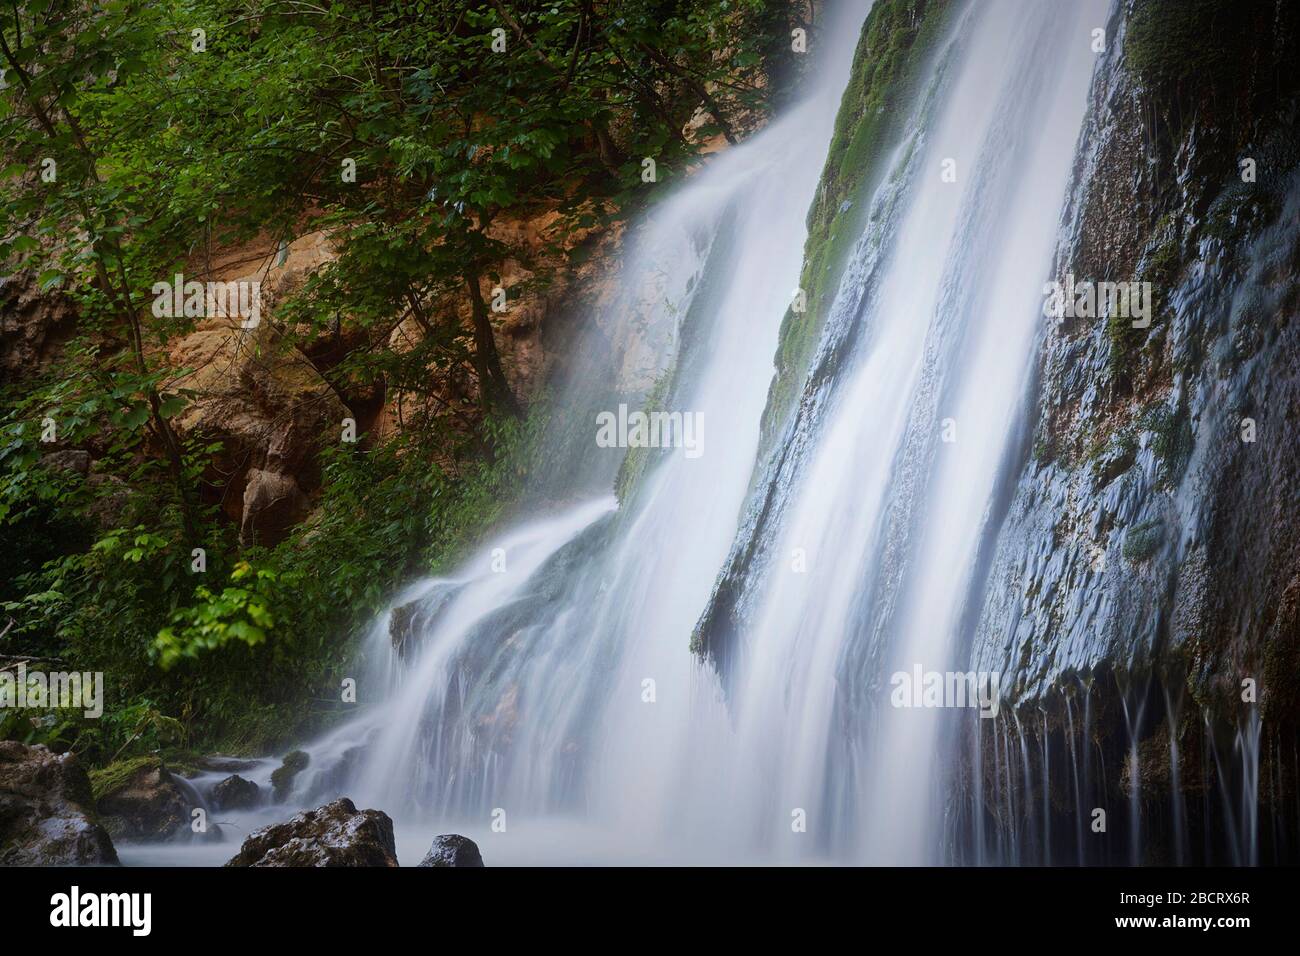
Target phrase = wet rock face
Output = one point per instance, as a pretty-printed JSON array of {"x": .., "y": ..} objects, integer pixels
[
  {"x": 32, "y": 324},
  {"x": 336, "y": 834},
  {"x": 401, "y": 628},
  {"x": 333, "y": 777},
  {"x": 145, "y": 803},
  {"x": 261, "y": 397},
  {"x": 1145, "y": 566},
  {"x": 47, "y": 811},
  {"x": 409, "y": 622},
  {"x": 235, "y": 793},
  {"x": 1149, "y": 528},
  {"x": 452, "y": 849}
]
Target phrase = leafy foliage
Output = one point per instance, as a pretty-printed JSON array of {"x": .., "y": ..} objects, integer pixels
[{"x": 140, "y": 137}]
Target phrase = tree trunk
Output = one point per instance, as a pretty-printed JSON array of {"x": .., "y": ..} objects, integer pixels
[
  {"x": 121, "y": 297},
  {"x": 494, "y": 390}
]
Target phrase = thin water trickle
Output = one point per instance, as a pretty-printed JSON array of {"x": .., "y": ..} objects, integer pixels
[
  {"x": 1172, "y": 709},
  {"x": 1079, "y": 789}
]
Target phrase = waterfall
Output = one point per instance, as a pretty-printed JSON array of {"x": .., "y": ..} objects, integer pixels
[{"x": 549, "y": 685}]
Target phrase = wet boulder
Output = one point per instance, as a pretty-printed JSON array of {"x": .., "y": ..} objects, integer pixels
[
  {"x": 401, "y": 629},
  {"x": 452, "y": 849},
  {"x": 47, "y": 811},
  {"x": 141, "y": 800},
  {"x": 408, "y": 623},
  {"x": 336, "y": 834},
  {"x": 234, "y": 793}
]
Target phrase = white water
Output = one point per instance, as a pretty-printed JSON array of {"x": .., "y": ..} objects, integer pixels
[{"x": 527, "y": 692}]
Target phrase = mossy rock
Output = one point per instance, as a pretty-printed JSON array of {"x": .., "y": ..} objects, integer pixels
[
  {"x": 282, "y": 778},
  {"x": 1173, "y": 440},
  {"x": 140, "y": 799},
  {"x": 106, "y": 781},
  {"x": 1142, "y": 541},
  {"x": 1115, "y": 458},
  {"x": 897, "y": 39},
  {"x": 1170, "y": 42}
]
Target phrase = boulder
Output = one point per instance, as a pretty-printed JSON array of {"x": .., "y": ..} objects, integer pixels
[
  {"x": 336, "y": 834},
  {"x": 261, "y": 397},
  {"x": 70, "y": 459},
  {"x": 408, "y": 623},
  {"x": 111, "y": 499},
  {"x": 47, "y": 811},
  {"x": 282, "y": 779},
  {"x": 140, "y": 799},
  {"x": 273, "y": 500},
  {"x": 452, "y": 849},
  {"x": 235, "y": 793}
]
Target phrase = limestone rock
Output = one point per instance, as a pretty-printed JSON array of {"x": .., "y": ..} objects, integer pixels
[
  {"x": 452, "y": 849},
  {"x": 47, "y": 811},
  {"x": 141, "y": 800},
  {"x": 336, "y": 834},
  {"x": 235, "y": 793}
]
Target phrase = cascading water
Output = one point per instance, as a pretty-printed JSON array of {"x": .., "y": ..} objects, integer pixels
[
  {"x": 889, "y": 514},
  {"x": 524, "y": 686},
  {"x": 548, "y": 685}
]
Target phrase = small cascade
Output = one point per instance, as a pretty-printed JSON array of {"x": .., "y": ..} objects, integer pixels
[
  {"x": 1153, "y": 780},
  {"x": 1133, "y": 714},
  {"x": 1075, "y": 746}
]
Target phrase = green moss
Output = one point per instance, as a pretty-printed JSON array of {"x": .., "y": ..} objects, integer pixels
[
  {"x": 1171, "y": 41},
  {"x": 635, "y": 461},
  {"x": 887, "y": 72},
  {"x": 1163, "y": 264},
  {"x": 1142, "y": 541},
  {"x": 1160, "y": 267},
  {"x": 1230, "y": 213},
  {"x": 1044, "y": 449},
  {"x": 1172, "y": 442},
  {"x": 1115, "y": 457},
  {"x": 1124, "y": 341},
  {"x": 106, "y": 781}
]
